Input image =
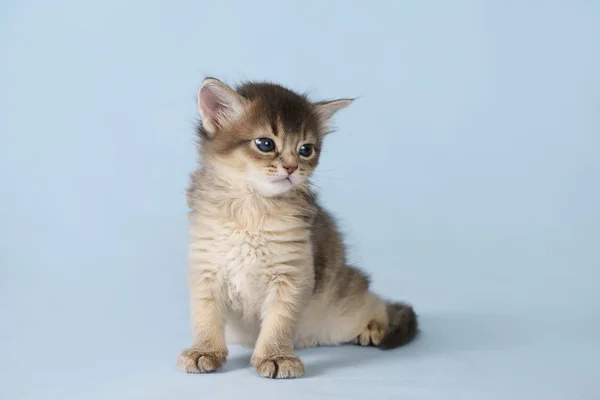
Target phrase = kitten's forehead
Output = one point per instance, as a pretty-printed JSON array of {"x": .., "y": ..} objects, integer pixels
[{"x": 281, "y": 108}]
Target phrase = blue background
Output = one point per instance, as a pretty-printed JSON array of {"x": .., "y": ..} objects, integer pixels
[{"x": 465, "y": 177}]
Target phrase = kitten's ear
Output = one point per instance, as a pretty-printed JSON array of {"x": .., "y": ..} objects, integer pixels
[
  {"x": 218, "y": 104},
  {"x": 326, "y": 109}
]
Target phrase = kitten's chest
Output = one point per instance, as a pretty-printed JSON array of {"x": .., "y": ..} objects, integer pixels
[{"x": 244, "y": 261}]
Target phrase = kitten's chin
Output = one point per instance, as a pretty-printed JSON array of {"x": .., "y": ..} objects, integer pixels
[{"x": 274, "y": 187}]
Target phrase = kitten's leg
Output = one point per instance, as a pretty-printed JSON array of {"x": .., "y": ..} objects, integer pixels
[
  {"x": 348, "y": 312},
  {"x": 273, "y": 355},
  {"x": 208, "y": 351},
  {"x": 376, "y": 328}
]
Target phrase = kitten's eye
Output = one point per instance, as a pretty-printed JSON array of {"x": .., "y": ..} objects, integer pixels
[
  {"x": 264, "y": 144},
  {"x": 305, "y": 150}
]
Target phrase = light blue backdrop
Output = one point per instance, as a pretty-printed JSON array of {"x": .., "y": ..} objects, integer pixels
[{"x": 466, "y": 176}]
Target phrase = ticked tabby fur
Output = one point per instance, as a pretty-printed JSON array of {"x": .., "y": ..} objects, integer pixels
[{"x": 267, "y": 265}]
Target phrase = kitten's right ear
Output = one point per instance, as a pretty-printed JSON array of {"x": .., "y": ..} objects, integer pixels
[{"x": 218, "y": 104}]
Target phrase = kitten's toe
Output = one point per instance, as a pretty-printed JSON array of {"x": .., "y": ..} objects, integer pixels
[
  {"x": 280, "y": 367},
  {"x": 197, "y": 361},
  {"x": 371, "y": 335}
]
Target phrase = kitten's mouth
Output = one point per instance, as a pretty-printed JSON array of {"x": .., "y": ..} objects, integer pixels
[{"x": 283, "y": 179}]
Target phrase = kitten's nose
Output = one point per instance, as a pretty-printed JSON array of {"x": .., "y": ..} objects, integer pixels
[{"x": 290, "y": 168}]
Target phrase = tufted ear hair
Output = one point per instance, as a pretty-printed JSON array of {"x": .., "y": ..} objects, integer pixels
[
  {"x": 327, "y": 109},
  {"x": 218, "y": 105}
]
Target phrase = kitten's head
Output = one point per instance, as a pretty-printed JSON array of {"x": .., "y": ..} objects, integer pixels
[{"x": 261, "y": 135}]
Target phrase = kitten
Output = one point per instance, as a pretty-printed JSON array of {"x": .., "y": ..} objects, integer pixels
[{"x": 267, "y": 265}]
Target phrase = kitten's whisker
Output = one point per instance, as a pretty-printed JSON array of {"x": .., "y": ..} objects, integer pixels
[{"x": 318, "y": 176}]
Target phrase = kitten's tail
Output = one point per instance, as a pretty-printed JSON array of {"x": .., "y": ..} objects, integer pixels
[{"x": 402, "y": 326}]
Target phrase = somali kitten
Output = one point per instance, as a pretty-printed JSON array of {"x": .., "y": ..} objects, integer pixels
[{"x": 267, "y": 265}]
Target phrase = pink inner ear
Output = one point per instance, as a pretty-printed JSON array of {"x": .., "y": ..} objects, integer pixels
[{"x": 209, "y": 102}]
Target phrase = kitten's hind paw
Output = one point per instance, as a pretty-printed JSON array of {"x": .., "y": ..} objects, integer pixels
[{"x": 371, "y": 335}]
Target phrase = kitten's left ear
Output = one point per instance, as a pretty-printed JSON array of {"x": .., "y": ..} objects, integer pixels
[{"x": 327, "y": 109}]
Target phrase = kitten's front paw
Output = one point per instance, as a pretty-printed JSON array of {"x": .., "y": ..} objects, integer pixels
[
  {"x": 279, "y": 366},
  {"x": 197, "y": 361}
]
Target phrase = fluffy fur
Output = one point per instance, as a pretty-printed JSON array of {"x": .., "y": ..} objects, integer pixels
[{"x": 267, "y": 265}]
